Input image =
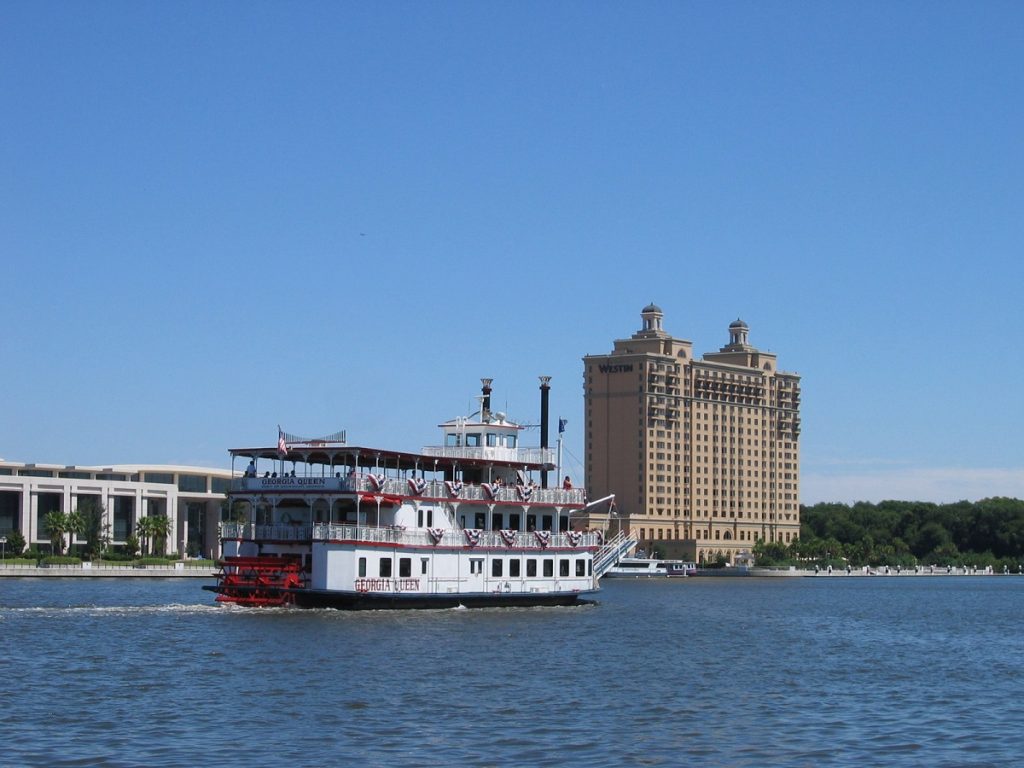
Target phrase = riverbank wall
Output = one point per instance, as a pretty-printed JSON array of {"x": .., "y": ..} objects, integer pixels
[{"x": 93, "y": 571}]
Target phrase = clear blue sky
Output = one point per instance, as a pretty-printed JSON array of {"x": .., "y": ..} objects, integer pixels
[{"x": 220, "y": 217}]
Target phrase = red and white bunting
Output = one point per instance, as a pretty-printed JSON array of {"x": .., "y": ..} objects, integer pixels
[{"x": 436, "y": 534}]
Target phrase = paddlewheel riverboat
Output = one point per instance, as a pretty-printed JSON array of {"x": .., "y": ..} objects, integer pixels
[{"x": 472, "y": 522}]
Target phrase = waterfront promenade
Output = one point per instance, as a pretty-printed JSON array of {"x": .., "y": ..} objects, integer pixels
[{"x": 96, "y": 571}]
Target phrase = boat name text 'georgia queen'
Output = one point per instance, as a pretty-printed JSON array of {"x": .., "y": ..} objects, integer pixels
[{"x": 387, "y": 585}]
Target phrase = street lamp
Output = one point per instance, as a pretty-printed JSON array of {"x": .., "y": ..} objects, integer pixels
[{"x": 3, "y": 549}]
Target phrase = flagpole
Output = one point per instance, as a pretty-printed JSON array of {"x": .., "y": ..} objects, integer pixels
[
  {"x": 559, "y": 475},
  {"x": 561, "y": 429}
]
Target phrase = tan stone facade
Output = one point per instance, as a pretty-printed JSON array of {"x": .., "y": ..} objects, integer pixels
[{"x": 702, "y": 454}]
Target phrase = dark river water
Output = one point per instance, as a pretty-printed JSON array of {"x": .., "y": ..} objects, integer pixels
[{"x": 720, "y": 672}]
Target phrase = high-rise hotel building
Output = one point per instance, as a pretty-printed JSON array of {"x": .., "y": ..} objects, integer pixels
[{"x": 703, "y": 455}]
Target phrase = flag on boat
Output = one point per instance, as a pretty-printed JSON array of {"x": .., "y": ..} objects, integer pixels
[
  {"x": 561, "y": 425},
  {"x": 282, "y": 449}
]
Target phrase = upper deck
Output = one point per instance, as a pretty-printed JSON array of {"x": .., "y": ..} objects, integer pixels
[{"x": 359, "y": 483}]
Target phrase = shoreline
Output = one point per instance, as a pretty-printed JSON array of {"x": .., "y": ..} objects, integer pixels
[
  {"x": 179, "y": 571},
  {"x": 769, "y": 572}
]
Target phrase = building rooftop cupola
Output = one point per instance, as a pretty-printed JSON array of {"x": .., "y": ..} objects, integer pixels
[
  {"x": 652, "y": 315},
  {"x": 738, "y": 331}
]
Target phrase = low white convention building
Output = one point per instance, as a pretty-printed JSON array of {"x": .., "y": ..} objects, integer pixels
[{"x": 192, "y": 498}]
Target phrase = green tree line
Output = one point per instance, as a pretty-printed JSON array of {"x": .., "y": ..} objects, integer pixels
[{"x": 906, "y": 533}]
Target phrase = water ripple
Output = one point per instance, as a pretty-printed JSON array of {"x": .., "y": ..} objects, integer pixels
[{"x": 745, "y": 673}]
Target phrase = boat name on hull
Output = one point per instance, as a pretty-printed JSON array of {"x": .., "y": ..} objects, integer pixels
[{"x": 387, "y": 585}]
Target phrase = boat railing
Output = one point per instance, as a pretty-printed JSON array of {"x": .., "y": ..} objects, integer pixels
[
  {"x": 492, "y": 453},
  {"x": 612, "y": 551},
  {"x": 398, "y": 486},
  {"x": 453, "y": 537},
  {"x": 253, "y": 532}
]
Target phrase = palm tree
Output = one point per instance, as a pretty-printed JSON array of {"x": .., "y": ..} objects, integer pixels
[
  {"x": 143, "y": 529},
  {"x": 75, "y": 526},
  {"x": 95, "y": 532},
  {"x": 55, "y": 524},
  {"x": 159, "y": 530},
  {"x": 154, "y": 531}
]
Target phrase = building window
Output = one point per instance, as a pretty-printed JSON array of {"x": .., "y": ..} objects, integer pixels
[{"x": 192, "y": 483}]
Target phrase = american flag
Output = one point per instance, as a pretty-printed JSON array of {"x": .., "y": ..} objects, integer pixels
[{"x": 281, "y": 447}]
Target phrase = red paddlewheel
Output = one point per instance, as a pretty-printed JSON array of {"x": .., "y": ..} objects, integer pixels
[{"x": 264, "y": 581}]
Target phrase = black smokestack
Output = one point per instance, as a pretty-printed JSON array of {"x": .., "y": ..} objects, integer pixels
[
  {"x": 545, "y": 391},
  {"x": 485, "y": 407}
]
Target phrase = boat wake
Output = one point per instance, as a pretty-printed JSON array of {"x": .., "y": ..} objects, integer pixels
[{"x": 104, "y": 610}]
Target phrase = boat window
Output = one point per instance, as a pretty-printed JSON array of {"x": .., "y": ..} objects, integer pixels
[
  {"x": 473, "y": 440},
  {"x": 546, "y": 522},
  {"x": 581, "y": 568},
  {"x": 476, "y": 565},
  {"x": 531, "y": 522},
  {"x": 510, "y": 441},
  {"x": 513, "y": 567},
  {"x": 362, "y": 567},
  {"x": 563, "y": 567},
  {"x": 423, "y": 565},
  {"x": 385, "y": 567},
  {"x": 549, "y": 567},
  {"x": 590, "y": 567},
  {"x": 481, "y": 519},
  {"x": 430, "y": 518},
  {"x": 451, "y": 441},
  {"x": 531, "y": 567},
  {"x": 496, "y": 566},
  {"x": 404, "y": 567},
  {"x": 492, "y": 439},
  {"x": 563, "y": 523},
  {"x": 513, "y": 521}
]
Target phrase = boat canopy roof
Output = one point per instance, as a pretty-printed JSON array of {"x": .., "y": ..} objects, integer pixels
[{"x": 350, "y": 455}]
